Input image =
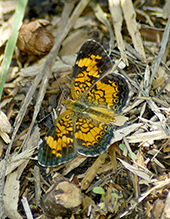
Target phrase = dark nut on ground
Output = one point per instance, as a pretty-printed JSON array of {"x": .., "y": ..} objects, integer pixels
[
  {"x": 34, "y": 38},
  {"x": 62, "y": 199}
]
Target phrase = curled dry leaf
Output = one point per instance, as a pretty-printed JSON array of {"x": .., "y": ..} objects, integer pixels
[
  {"x": 5, "y": 127},
  {"x": 34, "y": 38},
  {"x": 63, "y": 198}
]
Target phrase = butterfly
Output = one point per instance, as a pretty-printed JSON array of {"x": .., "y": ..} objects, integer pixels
[{"x": 87, "y": 126}]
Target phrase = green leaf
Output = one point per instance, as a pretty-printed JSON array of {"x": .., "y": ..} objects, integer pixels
[
  {"x": 115, "y": 195},
  {"x": 99, "y": 190},
  {"x": 134, "y": 155},
  {"x": 121, "y": 146}
]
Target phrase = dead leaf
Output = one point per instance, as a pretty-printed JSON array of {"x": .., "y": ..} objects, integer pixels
[{"x": 11, "y": 196}]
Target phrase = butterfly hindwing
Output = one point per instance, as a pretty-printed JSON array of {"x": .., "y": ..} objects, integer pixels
[
  {"x": 110, "y": 93},
  {"x": 58, "y": 146},
  {"x": 92, "y": 136}
]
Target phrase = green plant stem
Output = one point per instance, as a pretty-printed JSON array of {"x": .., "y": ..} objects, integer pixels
[{"x": 9, "y": 49}]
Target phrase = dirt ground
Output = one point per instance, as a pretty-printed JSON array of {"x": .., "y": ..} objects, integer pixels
[{"x": 129, "y": 179}]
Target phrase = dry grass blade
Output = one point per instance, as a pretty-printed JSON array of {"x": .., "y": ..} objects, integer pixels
[
  {"x": 162, "y": 50},
  {"x": 37, "y": 185},
  {"x": 102, "y": 17},
  {"x": 117, "y": 19},
  {"x": 91, "y": 173},
  {"x": 155, "y": 135},
  {"x": 136, "y": 171},
  {"x": 26, "y": 208},
  {"x": 130, "y": 17}
]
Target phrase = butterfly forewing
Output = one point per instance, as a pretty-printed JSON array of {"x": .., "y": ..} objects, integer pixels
[{"x": 91, "y": 64}]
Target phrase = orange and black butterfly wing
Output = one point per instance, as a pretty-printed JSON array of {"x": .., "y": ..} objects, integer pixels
[
  {"x": 58, "y": 146},
  {"x": 112, "y": 93},
  {"x": 92, "y": 136},
  {"x": 89, "y": 132},
  {"x": 92, "y": 85},
  {"x": 92, "y": 63}
]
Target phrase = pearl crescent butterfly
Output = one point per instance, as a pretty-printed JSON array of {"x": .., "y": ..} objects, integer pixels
[{"x": 87, "y": 126}]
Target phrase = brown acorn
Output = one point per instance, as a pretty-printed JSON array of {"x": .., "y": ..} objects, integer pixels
[
  {"x": 34, "y": 38},
  {"x": 62, "y": 199}
]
